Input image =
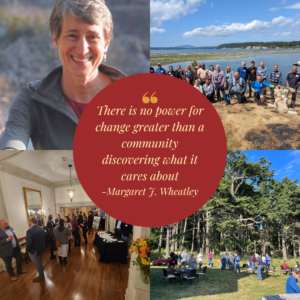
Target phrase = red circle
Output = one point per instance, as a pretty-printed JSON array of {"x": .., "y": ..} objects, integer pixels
[{"x": 103, "y": 181}]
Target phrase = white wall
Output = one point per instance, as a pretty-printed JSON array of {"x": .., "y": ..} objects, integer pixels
[
  {"x": 62, "y": 196},
  {"x": 13, "y": 197}
]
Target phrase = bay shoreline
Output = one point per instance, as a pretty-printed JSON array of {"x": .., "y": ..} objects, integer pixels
[{"x": 171, "y": 58}]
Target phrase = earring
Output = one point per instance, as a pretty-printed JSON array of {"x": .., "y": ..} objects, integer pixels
[
  {"x": 104, "y": 57},
  {"x": 56, "y": 53}
]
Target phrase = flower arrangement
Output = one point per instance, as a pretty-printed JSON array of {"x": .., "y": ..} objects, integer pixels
[{"x": 142, "y": 248}]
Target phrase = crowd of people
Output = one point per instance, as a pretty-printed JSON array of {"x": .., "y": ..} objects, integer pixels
[
  {"x": 214, "y": 81},
  {"x": 56, "y": 235}
]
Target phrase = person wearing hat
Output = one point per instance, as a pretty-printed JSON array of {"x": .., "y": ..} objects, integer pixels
[
  {"x": 292, "y": 282},
  {"x": 160, "y": 70}
]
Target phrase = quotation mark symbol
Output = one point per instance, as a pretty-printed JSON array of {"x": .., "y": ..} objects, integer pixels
[{"x": 151, "y": 99}]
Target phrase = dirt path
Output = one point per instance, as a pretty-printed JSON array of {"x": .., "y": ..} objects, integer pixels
[{"x": 248, "y": 126}]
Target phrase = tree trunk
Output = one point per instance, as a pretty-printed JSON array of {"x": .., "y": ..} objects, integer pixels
[
  {"x": 283, "y": 240},
  {"x": 207, "y": 232},
  {"x": 294, "y": 243},
  {"x": 278, "y": 235},
  {"x": 184, "y": 230},
  {"x": 168, "y": 242},
  {"x": 193, "y": 235},
  {"x": 160, "y": 238},
  {"x": 198, "y": 232},
  {"x": 176, "y": 231}
]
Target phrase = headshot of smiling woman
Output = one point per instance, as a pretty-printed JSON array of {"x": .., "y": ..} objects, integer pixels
[{"x": 47, "y": 111}]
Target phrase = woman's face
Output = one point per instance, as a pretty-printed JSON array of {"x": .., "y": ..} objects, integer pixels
[
  {"x": 81, "y": 46},
  {"x": 66, "y": 220}
]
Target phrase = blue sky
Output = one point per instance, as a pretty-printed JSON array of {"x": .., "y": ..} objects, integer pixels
[
  {"x": 285, "y": 163},
  {"x": 214, "y": 22}
]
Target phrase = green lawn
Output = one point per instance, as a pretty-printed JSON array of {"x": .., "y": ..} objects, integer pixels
[{"x": 221, "y": 285}]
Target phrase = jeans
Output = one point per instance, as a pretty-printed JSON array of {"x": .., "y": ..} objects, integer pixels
[
  {"x": 250, "y": 264},
  {"x": 259, "y": 272},
  {"x": 209, "y": 260},
  {"x": 218, "y": 85},
  {"x": 241, "y": 98},
  {"x": 227, "y": 265},
  {"x": 237, "y": 266},
  {"x": 250, "y": 91},
  {"x": 223, "y": 265}
]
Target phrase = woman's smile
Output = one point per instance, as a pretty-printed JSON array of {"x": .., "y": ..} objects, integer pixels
[{"x": 81, "y": 60}]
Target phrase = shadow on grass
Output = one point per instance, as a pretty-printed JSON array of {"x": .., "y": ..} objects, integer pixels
[{"x": 218, "y": 284}]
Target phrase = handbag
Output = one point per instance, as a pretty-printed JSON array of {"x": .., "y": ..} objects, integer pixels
[{"x": 57, "y": 242}]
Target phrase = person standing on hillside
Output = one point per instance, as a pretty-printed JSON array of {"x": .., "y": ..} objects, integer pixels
[
  {"x": 218, "y": 80},
  {"x": 292, "y": 83},
  {"x": 275, "y": 78},
  {"x": 178, "y": 72},
  {"x": 171, "y": 71},
  {"x": 160, "y": 70},
  {"x": 251, "y": 76},
  {"x": 202, "y": 74},
  {"x": 263, "y": 71},
  {"x": 243, "y": 71}
]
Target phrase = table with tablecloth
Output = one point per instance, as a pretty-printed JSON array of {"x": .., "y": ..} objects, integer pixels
[
  {"x": 160, "y": 261},
  {"x": 111, "y": 251}
]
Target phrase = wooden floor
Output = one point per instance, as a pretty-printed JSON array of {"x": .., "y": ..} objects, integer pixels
[{"x": 83, "y": 277}]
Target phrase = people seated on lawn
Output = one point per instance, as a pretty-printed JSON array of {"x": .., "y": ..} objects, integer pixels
[
  {"x": 193, "y": 261},
  {"x": 285, "y": 265},
  {"x": 172, "y": 267},
  {"x": 292, "y": 283}
]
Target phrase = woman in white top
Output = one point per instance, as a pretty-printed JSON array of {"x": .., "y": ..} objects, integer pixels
[
  {"x": 198, "y": 86},
  {"x": 200, "y": 258}
]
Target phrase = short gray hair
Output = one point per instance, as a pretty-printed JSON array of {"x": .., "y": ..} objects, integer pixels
[{"x": 93, "y": 12}]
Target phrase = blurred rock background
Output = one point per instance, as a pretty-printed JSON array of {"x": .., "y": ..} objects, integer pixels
[{"x": 26, "y": 49}]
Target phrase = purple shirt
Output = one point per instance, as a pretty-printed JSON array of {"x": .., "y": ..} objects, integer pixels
[{"x": 218, "y": 77}]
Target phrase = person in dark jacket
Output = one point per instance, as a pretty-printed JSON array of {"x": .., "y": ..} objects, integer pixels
[
  {"x": 118, "y": 228},
  {"x": 80, "y": 219},
  {"x": 292, "y": 83},
  {"x": 251, "y": 76},
  {"x": 76, "y": 234},
  {"x": 171, "y": 72},
  {"x": 90, "y": 222},
  {"x": 36, "y": 246},
  {"x": 178, "y": 72},
  {"x": 9, "y": 248},
  {"x": 126, "y": 233},
  {"x": 50, "y": 239},
  {"x": 84, "y": 226},
  {"x": 47, "y": 111},
  {"x": 189, "y": 74}
]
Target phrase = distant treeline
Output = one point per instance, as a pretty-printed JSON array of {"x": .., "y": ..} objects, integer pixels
[
  {"x": 174, "y": 48},
  {"x": 261, "y": 44}
]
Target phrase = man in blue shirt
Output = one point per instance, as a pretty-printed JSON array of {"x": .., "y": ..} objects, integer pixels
[
  {"x": 243, "y": 71},
  {"x": 263, "y": 71},
  {"x": 275, "y": 79},
  {"x": 223, "y": 261},
  {"x": 160, "y": 70},
  {"x": 236, "y": 263},
  {"x": 9, "y": 248},
  {"x": 292, "y": 283}
]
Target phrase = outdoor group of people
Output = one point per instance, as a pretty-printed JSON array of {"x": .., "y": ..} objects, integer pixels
[
  {"x": 57, "y": 234},
  {"x": 234, "y": 84},
  {"x": 230, "y": 261}
]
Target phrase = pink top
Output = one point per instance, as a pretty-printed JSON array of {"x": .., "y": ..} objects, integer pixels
[{"x": 209, "y": 255}]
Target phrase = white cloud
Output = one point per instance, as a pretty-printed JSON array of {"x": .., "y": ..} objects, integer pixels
[
  {"x": 212, "y": 5},
  {"x": 216, "y": 21},
  {"x": 294, "y": 6},
  {"x": 273, "y": 8},
  {"x": 296, "y": 24},
  {"x": 165, "y": 10},
  {"x": 254, "y": 37},
  {"x": 155, "y": 30},
  {"x": 227, "y": 30},
  {"x": 283, "y": 34}
]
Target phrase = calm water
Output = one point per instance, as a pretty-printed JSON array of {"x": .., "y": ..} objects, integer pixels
[
  {"x": 210, "y": 50},
  {"x": 284, "y": 61}
]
